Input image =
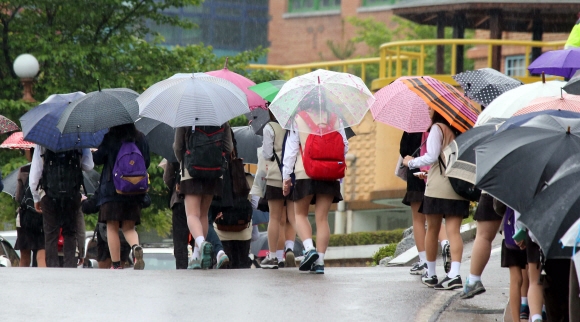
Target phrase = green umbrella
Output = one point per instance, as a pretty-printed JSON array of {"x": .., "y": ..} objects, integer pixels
[{"x": 268, "y": 90}]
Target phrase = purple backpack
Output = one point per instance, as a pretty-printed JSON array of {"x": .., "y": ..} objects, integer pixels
[
  {"x": 129, "y": 172},
  {"x": 509, "y": 228}
]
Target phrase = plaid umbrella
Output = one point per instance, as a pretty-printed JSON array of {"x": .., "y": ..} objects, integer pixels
[
  {"x": 16, "y": 141},
  {"x": 100, "y": 110},
  {"x": 160, "y": 137},
  {"x": 7, "y": 126},
  {"x": 566, "y": 102},
  {"x": 485, "y": 84},
  {"x": 445, "y": 99},
  {"x": 564, "y": 62},
  {"x": 247, "y": 143},
  {"x": 268, "y": 90}
]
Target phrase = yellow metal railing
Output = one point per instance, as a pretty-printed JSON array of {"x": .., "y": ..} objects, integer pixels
[{"x": 408, "y": 58}]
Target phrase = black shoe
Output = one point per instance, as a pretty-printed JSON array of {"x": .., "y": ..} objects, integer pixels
[
  {"x": 430, "y": 281},
  {"x": 418, "y": 269},
  {"x": 281, "y": 264},
  {"x": 309, "y": 258},
  {"x": 317, "y": 269},
  {"x": 446, "y": 254},
  {"x": 450, "y": 283}
]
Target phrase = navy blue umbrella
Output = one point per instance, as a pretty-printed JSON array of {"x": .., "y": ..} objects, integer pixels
[{"x": 39, "y": 126}]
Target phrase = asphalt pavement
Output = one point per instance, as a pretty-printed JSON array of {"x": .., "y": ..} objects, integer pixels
[{"x": 342, "y": 294}]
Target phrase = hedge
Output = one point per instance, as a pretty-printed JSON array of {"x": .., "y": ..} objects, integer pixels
[
  {"x": 385, "y": 251},
  {"x": 366, "y": 238}
]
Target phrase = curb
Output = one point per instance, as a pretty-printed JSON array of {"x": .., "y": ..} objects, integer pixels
[{"x": 412, "y": 255}]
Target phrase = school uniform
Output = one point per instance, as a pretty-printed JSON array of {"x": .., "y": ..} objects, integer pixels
[
  {"x": 410, "y": 142},
  {"x": 272, "y": 148}
]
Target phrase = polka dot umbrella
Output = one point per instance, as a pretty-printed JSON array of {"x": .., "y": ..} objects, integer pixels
[{"x": 486, "y": 84}]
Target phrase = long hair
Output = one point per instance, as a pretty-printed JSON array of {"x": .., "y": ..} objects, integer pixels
[
  {"x": 124, "y": 132},
  {"x": 438, "y": 118}
]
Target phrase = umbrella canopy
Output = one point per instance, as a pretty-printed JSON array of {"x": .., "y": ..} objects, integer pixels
[
  {"x": 16, "y": 141},
  {"x": 247, "y": 143},
  {"x": 7, "y": 125},
  {"x": 513, "y": 165},
  {"x": 570, "y": 238},
  {"x": 396, "y": 105},
  {"x": 516, "y": 121},
  {"x": 100, "y": 110},
  {"x": 460, "y": 153},
  {"x": 39, "y": 125},
  {"x": 268, "y": 90},
  {"x": 566, "y": 102},
  {"x": 254, "y": 100},
  {"x": 322, "y": 92},
  {"x": 445, "y": 100},
  {"x": 564, "y": 62},
  {"x": 160, "y": 137},
  {"x": 193, "y": 99},
  {"x": 555, "y": 209},
  {"x": 573, "y": 86},
  {"x": 10, "y": 182},
  {"x": 513, "y": 100},
  {"x": 485, "y": 84},
  {"x": 258, "y": 118}
]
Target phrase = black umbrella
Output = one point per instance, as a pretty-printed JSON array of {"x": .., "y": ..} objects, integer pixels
[
  {"x": 10, "y": 182},
  {"x": 159, "y": 135},
  {"x": 100, "y": 110},
  {"x": 247, "y": 143},
  {"x": 555, "y": 209},
  {"x": 514, "y": 165},
  {"x": 484, "y": 85},
  {"x": 258, "y": 118},
  {"x": 573, "y": 86}
]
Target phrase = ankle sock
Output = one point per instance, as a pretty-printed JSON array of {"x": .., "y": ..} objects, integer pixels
[
  {"x": 308, "y": 244},
  {"x": 422, "y": 257},
  {"x": 524, "y": 301},
  {"x": 443, "y": 242},
  {"x": 431, "y": 268},
  {"x": 454, "y": 271},
  {"x": 320, "y": 260},
  {"x": 271, "y": 255},
  {"x": 536, "y": 317},
  {"x": 199, "y": 240},
  {"x": 472, "y": 279},
  {"x": 220, "y": 254},
  {"x": 195, "y": 253},
  {"x": 280, "y": 254},
  {"x": 289, "y": 244},
  {"x": 117, "y": 264}
]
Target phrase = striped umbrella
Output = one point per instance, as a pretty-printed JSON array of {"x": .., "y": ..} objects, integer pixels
[
  {"x": 445, "y": 99},
  {"x": 16, "y": 141},
  {"x": 193, "y": 99},
  {"x": 566, "y": 102}
]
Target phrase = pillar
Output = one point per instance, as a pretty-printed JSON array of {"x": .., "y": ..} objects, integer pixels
[
  {"x": 440, "y": 56},
  {"x": 459, "y": 22},
  {"x": 495, "y": 32}
]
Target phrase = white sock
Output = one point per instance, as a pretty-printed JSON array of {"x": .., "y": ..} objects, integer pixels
[
  {"x": 195, "y": 252},
  {"x": 536, "y": 317},
  {"x": 271, "y": 255},
  {"x": 320, "y": 260},
  {"x": 443, "y": 242},
  {"x": 525, "y": 300},
  {"x": 220, "y": 254},
  {"x": 289, "y": 244},
  {"x": 543, "y": 308},
  {"x": 454, "y": 271},
  {"x": 199, "y": 240},
  {"x": 431, "y": 268},
  {"x": 308, "y": 244},
  {"x": 280, "y": 255},
  {"x": 422, "y": 257},
  {"x": 472, "y": 279}
]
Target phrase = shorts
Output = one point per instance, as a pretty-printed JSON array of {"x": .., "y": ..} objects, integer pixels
[{"x": 513, "y": 257}]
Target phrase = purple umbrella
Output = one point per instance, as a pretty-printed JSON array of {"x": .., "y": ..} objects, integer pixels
[{"x": 563, "y": 63}]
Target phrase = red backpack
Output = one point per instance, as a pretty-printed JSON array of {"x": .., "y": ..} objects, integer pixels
[{"x": 323, "y": 155}]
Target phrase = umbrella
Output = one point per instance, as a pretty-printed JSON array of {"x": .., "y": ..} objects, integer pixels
[
  {"x": 514, "y": 164},
  {"x": 555, "y": 209},
  {"x": 7, "y": 125},
  {"x": 564, "y": 62},
  {"x": 254, "y": 100},
  {"x": 100, "y": 110},
  {"x": 513, "y": 100},
  {"x": 258, "y": 118},
  {"x": 10, "y": 182},
  {"x": 39, "y": 125},
  {"x": 259, "y": 247},
  {"x": 268, "y": 90},
  {"x": 349, "y": 133},
  {"x": 445, "y": 99},
  {"x": 193, "y": 99},
  {"x": 570, "y": 238},
  {"x": 485, "y": 84},
  {"x": 397, "y": 106},
  {"x": 566, "y": 102},
  {"x": 516, "y": 121},
  {"x": 460, "y": 153},
  {"x": 160, "y": 137},
  {"x": 573, "y": 86},
  {"x": 16, "y": 141},
  {"x": 321, "y": 93},
  {"x": 247, "y": 143}
]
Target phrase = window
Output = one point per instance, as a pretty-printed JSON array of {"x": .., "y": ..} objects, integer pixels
[
  {"x": 515, "y": 65},
  {"x": 372, "y": 3},
  {"x": 312, "y": 5}
]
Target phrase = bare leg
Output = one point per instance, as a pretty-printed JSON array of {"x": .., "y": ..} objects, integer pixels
[
  {"x": 41, "y": 258},
  {"x": 418, "y": 226},
  {"x": 303, "y": 227},
  {"x": 535, "y": 295},
  {"x": 431, "y": 244},
  {"x": 113, "y": 240},
  {"x": 129, "y": 232},
  {"x": 321, "y": 209},
  {"x": 282, "y": 231},
  {"x": 290, "y": 233},
  {"x": 196, "y": 209},
  {"x": 515, "y": 288},
  {"x": 25, "y": 257},
  {"x": 290, "y": 214},
  {"x": 442, "y": 233},
  {"x": 452, "y": 226},
  {"x": 276, "y": 208},
  {"x": 525, "y": 282},
  {"x": 486, "y": 232}
]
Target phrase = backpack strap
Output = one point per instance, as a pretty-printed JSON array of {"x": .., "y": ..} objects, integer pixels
[{"x": 315, "y": 128}]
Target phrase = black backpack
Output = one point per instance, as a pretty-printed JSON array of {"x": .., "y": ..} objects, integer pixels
[
  {"x": 461, "y": 187},
  {"x": 62, "y": 175},
  {"x": 205, "y": 155},
  {"x": 236, "y": 218},
  {"x": 30, "y": 220}
]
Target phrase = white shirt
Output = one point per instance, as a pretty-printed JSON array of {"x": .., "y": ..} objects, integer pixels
[
  {"x": 292, "y": 149},
  {"x": 268, "y": 142},
  {"x": 37, "y": 166},
  {"x": 434, "y": 142}
]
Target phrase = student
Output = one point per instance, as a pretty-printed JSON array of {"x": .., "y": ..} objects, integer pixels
[
  {"x": 306, "y": 191},
  {"x": 118, "y": 210},
  {"x": 440, "y": 201}
]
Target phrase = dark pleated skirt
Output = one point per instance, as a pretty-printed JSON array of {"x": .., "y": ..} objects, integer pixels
[
  {"x": 415, "y": 188},
  {"x": 120, "y": 211},
  {"x": 485, "y": 211},
  {"x": 306, "y": 187},
  {"x": 274, "y": 193},
  {"x": 201, "y": 187},
  {"x": 513, "y": 257},
  {"x": 445, "y": 207},
  {"x": 28, "y": 240}
]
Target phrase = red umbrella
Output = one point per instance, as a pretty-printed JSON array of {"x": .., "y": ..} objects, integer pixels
[
  {"x": 16, "y": 141},
  {"x": 254, "y": 100}
]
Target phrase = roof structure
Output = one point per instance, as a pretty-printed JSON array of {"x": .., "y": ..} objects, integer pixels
[{"x": 517, "y": 15}]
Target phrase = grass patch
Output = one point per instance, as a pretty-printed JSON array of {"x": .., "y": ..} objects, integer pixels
[
  {"x": 385, "y": 251},
  {"x": 366, "y": 238}
]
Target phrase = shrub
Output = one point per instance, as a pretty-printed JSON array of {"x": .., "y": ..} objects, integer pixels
[
  {"x": 367, "y": 238},
  {"x": 383, "y": 252}
]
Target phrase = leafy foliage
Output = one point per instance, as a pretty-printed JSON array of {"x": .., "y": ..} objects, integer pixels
[
  {"x": 367, "y": 238},
  {"x": 385, "y": 251}
]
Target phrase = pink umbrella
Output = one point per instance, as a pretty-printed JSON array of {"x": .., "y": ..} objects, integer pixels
[
  {"x": 16, "y": 141},
  {"x": 395, "y": 107},
  {"x": 254, "y": 100},
  {"x": 565, "y": 102}
]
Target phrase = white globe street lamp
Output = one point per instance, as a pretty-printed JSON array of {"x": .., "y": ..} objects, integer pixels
[{"x": 26, "y": 67}]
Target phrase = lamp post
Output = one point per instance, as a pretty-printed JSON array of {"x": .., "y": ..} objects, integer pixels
[{"x": 26, "y": 67}]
